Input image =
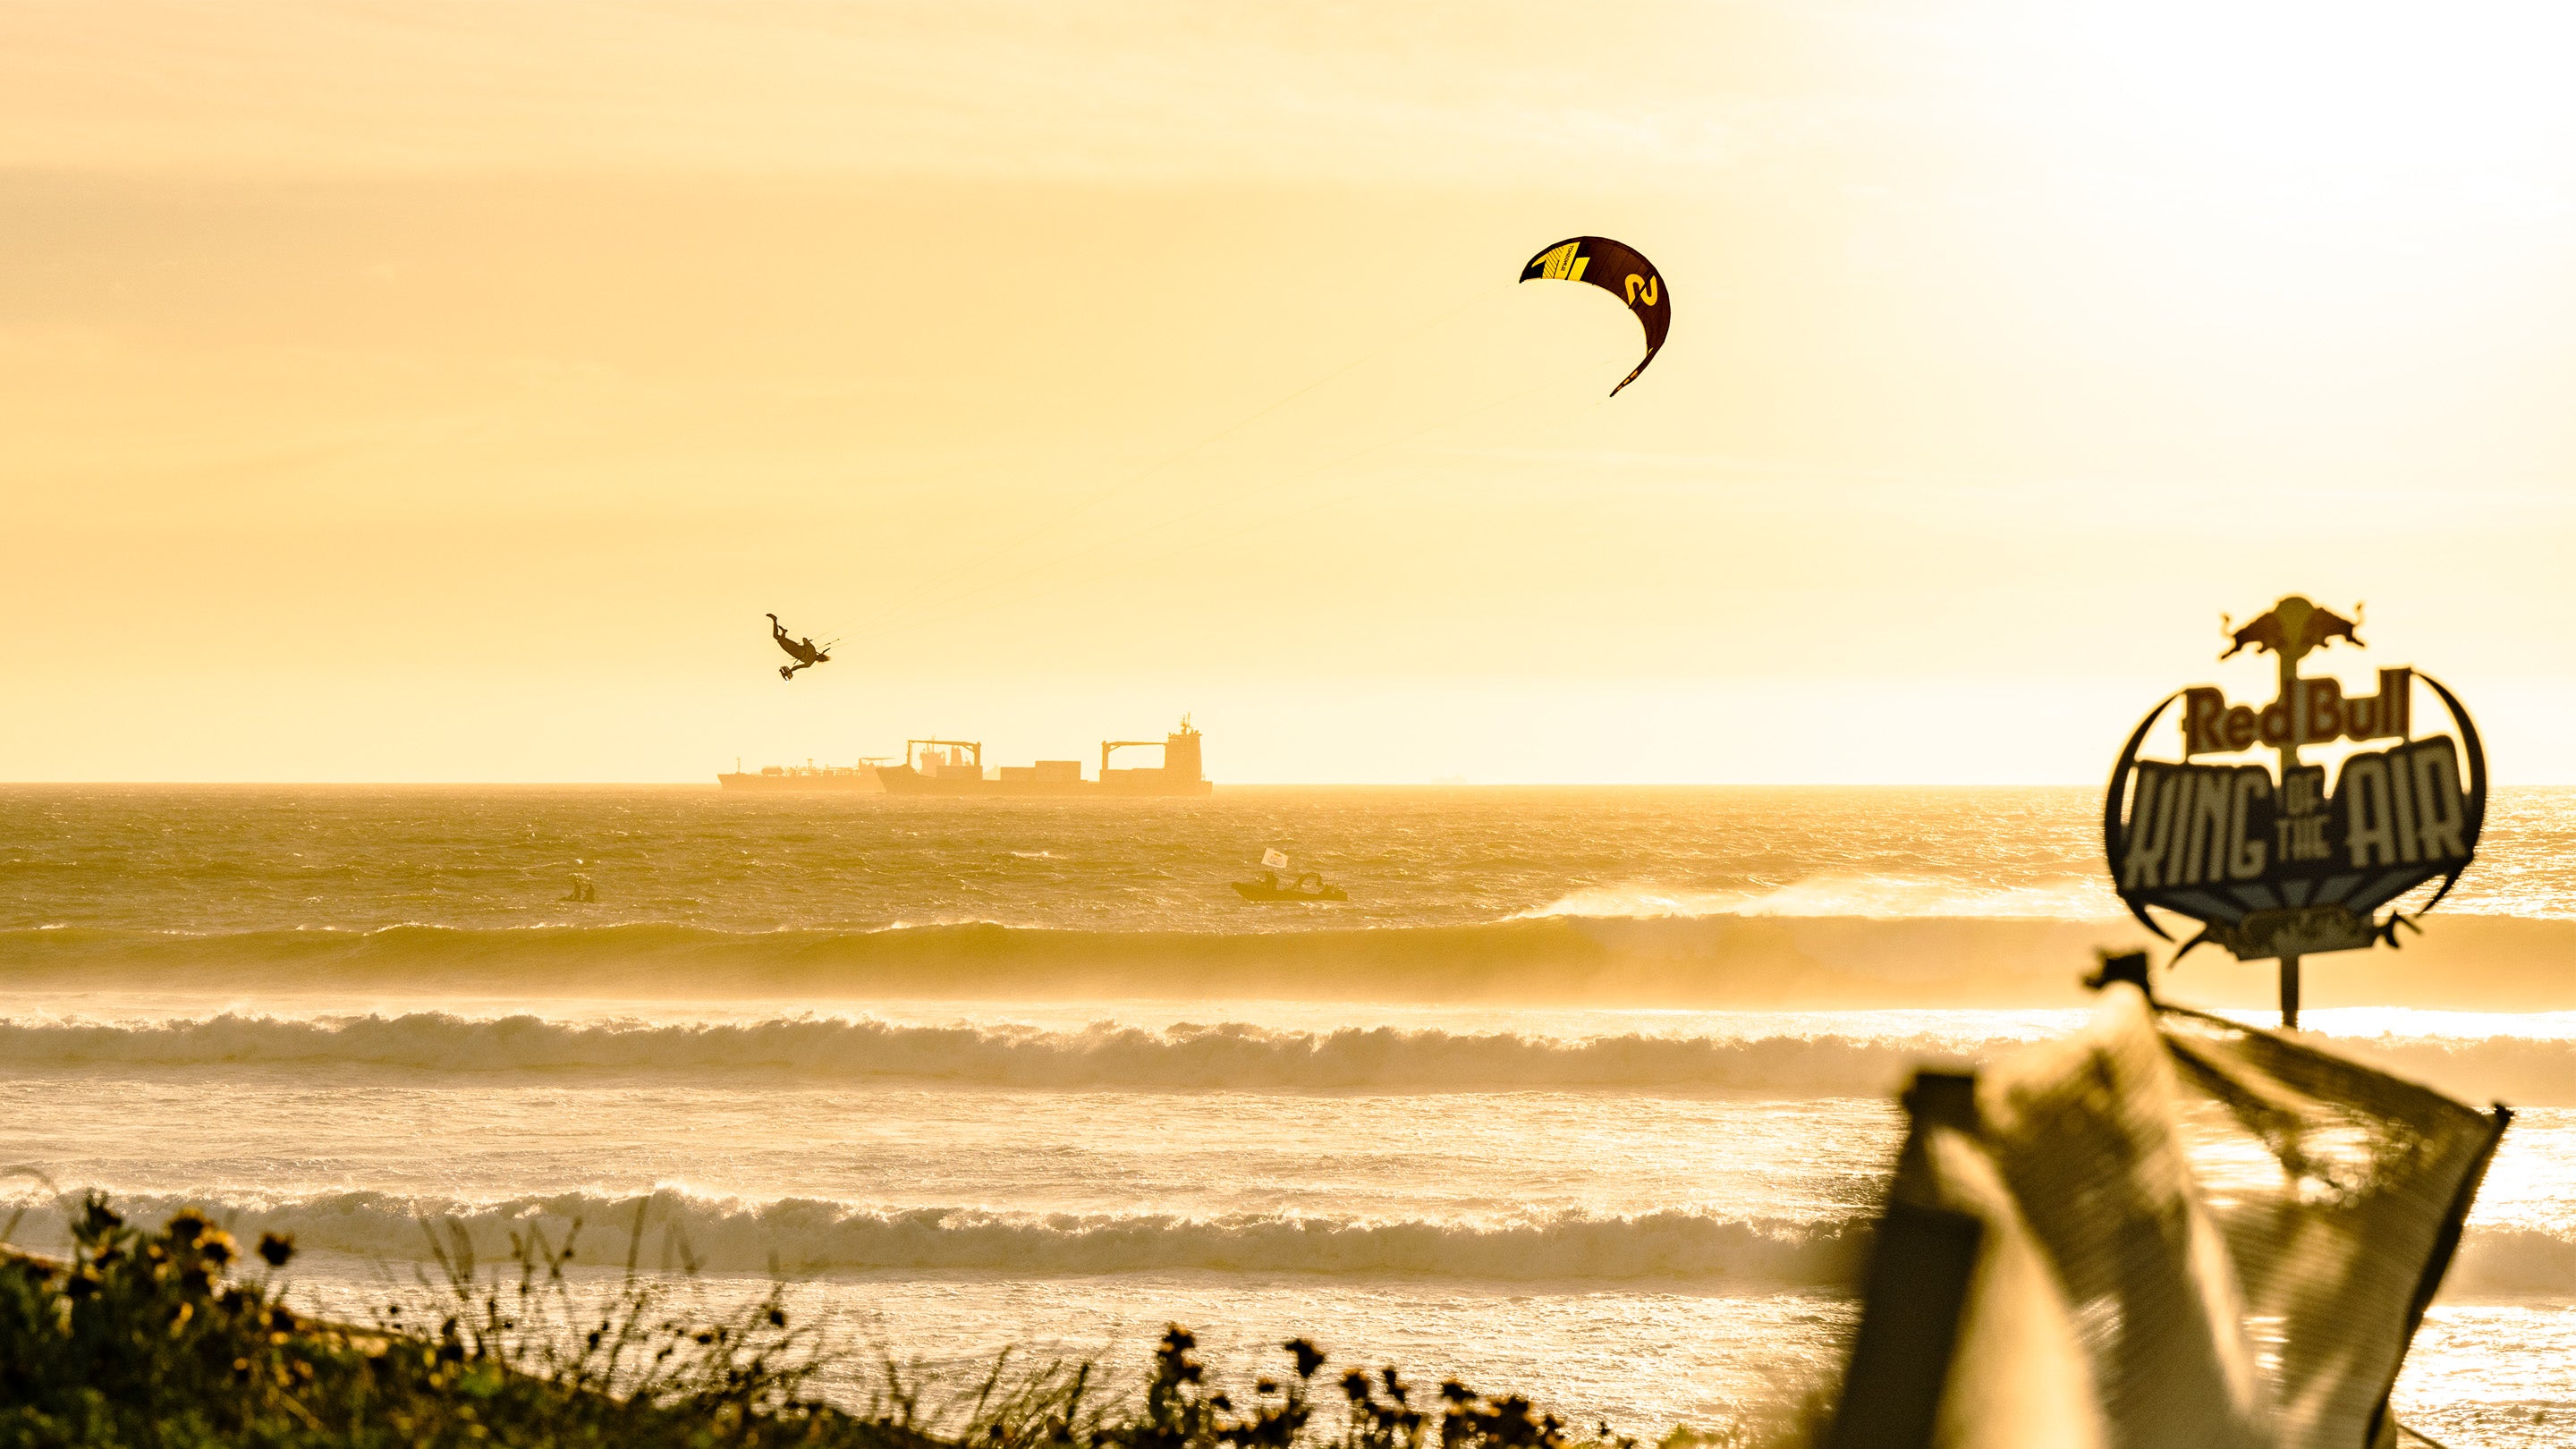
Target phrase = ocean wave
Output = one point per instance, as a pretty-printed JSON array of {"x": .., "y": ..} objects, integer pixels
[
  {"x": 1674, "y": 959},
  {"x": 1872, "y": 897},
  {"x": 809, "y": 1235},
  {"x": 1228, "y": 1056},
  {"x": 805, "y": 1235},
  {"x": 2498, "y": 1260},
  {"x": 1729, "y": 960}
]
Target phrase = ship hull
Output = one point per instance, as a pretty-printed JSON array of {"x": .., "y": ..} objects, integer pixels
[
  {"x": 899, "y": 780},
  {"x": 838, "y": 782}
]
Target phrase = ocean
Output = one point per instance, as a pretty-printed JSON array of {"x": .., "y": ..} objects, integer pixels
[{"x": 1585, "y": 1093}]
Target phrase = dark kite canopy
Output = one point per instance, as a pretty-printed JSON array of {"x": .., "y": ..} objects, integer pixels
[{"x": 1619, "y": 269}]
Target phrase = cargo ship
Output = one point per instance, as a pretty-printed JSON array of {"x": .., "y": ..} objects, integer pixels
[
  {"x": 956, "y": 767},
  {"x": 858, "y": 779}
]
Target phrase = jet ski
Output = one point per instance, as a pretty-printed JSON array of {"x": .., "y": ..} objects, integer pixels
[{"x": 1307, "y": 887}]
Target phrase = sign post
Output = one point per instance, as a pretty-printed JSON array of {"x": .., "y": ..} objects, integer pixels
[
  {"x": 2274, "y": 865},
  {"x": 2287, "y": 656}
]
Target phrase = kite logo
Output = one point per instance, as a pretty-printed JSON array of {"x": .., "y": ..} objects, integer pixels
[
  {"x": 1565, "y": 264},
  {"x": 1642, "y": 287}
]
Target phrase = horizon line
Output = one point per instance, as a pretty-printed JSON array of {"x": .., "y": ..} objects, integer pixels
[
  {"x": 1434, "y": 784},
  {"x": 1446, "y": 784}
]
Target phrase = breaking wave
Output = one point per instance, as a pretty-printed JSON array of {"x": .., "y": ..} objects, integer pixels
[
  {"x": 2496, "y": 1260},
  {"x": 1673, "y": 959},
  {"x": 806, "y": 1235},
  {"x": 1636, "y": 949},
  {"x": 1230, "y": 1056},
  {"x": 1226, "y": 1056}
]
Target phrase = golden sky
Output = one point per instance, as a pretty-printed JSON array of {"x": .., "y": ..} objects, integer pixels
[{"x": 443, "y": 391}]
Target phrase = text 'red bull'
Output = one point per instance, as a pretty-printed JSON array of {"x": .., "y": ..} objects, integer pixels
[{"x": 2311, "y": 714}]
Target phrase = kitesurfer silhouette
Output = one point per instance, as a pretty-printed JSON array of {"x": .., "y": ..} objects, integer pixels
[{"x": 803, "y": 651}]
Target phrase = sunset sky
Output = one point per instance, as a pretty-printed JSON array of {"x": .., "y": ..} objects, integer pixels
[{"x": 440, "y": 391}]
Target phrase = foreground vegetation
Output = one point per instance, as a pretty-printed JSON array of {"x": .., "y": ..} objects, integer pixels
[{"x": 166, "y": 1338}]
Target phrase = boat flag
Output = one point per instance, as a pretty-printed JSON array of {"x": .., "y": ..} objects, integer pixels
[{"x": 1274, "y": 860}]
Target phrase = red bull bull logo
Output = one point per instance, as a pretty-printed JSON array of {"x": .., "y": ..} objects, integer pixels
[{"x": 2291, "y": 628}]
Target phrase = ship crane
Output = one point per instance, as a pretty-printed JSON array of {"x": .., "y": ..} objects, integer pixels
[
  {"x": 1107, "y": 745},
  {"x": 975, "y": 745}
]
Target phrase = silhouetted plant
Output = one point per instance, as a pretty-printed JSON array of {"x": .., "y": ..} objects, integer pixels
[{"x": 145, "y": 1339}]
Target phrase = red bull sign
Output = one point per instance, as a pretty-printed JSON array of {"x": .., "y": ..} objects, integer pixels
[{"x": 2277, "y": 860}]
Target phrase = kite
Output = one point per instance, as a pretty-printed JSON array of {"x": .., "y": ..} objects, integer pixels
[{"x": 1616, "y": 268}]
